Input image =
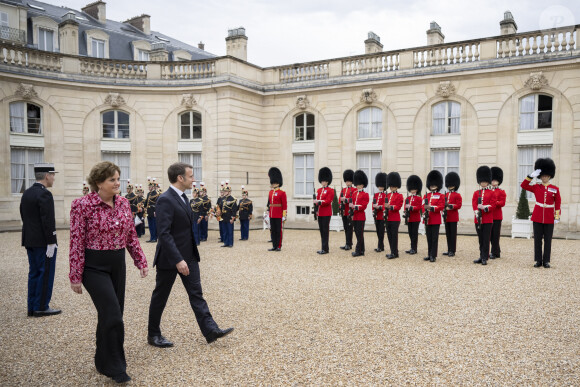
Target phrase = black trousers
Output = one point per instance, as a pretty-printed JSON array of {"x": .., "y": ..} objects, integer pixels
[
  {"x": 451, "y": 234},
  {"x": 104, "y": 279},
  {"x": 276, "y": 232},
  {"x": 432, "y": 233},
  {"x": 543, "y": 231},
  {"x": 348, "y": 228},
  {"x": 484, "y": 236},
  {"x": 380, "y": 227},
  {"x": 393, "y": 236},
  {"x": 359, "y": 231},
  {"x": 164, "y": 280},
  {"x": 413, "y": 229},
  {"x": 495, "y": 234},
  {"x": 324, "y": 227}
]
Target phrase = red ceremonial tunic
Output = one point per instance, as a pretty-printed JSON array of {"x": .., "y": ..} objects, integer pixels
[
  {"x": 500, "y": 197},
  {"x": 453, "y": 198},
  {"x": 94, "y": 225},
  {"x": 437, "y": 201},
  {"x": 326, "y": 195},
  {"x": 278, "y": 205},
  {"x": 547, "y": 201},
  {"x": 415, "y": 210},
  {"x": 396, "y": 200},
  {"x": 488, "y": 199},
  {"x": 360, "y": 199},
  {"x": 379, "y": 200},
  {"x": 346, "y": 192}
]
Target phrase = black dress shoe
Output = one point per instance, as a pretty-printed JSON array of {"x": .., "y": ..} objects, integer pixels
[
  {"x": 497, "y": 256},
  {"x": 477, "y": 261},
  {"x": 427, "y": 259},
  {"x": 149, "y": 241},
  {"x": 357, "y": 254},
  {"x": 451, "y": 254},
  {"x": 278, "y": 249},
  {"x": 121, "y": 378},
  {"x": 484, "y": 262},
  {"x": 537, "y": 264},
  {"x": 491, "y": 256},
  {"x": 348, "y": 247},
  {"x": 378, "y": 250},
  {"x": 322, "y": 252},
  {"x": 224, "y": 246},
  {"x": 412, "y": 252},
  {"x": 216, "y": 334},
  {"x": 272, "y": 249},
  {"x": 392, "y": 256},
  {"x": 432, "y": 259},
  {"x": 343, "y": 247},
  {"x": 446, "y": 253},
  {"x": 547, "y": 265},
  {"x": 159, "y": 341},
  {"x": 48, "y": 312},
  {"x": 30, "y": 313}
]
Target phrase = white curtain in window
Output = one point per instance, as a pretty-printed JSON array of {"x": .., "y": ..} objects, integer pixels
[
  {"x": 452, "y": 161},
  {"x": 309, "y": 174},
  {"x": 304, "y": 174},
  {"x": 34, "y": 156},
  {"x": 123, "y": 161},
  {"x": 17, "y": 117},
  {"x": 364, "y": 118},
  {"x": 17, "y": 166},
  {"x": 527, "y": 157},
  {"x": 439, "y": 118},
  {"x": 527, "y": 112},
  {"x": 454, "y": 117},
  {"x": 377, "y": 122}
]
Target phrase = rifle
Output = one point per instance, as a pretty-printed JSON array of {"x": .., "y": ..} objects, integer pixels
[
  {"x": 445, "y": 209},
  {"x": 350, "y": 209},
  {"x": 407, "y": 212},
  {"x": 315, "y": 206},
  {"x": 426, "y": 213},
  {"x": 479, "y": 215},
  {"x": 386, "y": 209},
  {"x": 375, "y": 210}
]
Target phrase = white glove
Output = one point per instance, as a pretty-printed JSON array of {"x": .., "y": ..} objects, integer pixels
[
  {"x": 283, "y": 219},
  {"x": 476, "y": 212},
  {"x": 536, "y": 173},
  {"x": 556, "y": 221},
  {"x": 50, "y": 250}
]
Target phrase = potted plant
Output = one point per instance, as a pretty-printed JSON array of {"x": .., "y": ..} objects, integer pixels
[
  {"x": 522, "y": 226},
  {"x": 336, "y": 219}
]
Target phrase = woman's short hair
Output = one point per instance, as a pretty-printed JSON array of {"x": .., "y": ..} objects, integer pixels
[{"x": 101, "y": 172}]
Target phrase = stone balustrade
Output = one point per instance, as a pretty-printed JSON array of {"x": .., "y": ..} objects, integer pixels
[
  {"x": 188, "y": 70},
  {"x": 29, "y": 58},
  {"x": 537, "y": 42},
  {"x": 446, "y": 54},
  {"x": 107, "y": 68},
  {"x": 303, "y": 72},
  {"x": 372, "y": 63}
]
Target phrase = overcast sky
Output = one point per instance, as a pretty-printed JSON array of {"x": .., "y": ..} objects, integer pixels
[{"x": 286, "y": 32}]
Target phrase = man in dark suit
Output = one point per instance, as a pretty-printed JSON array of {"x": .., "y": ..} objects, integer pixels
[
  {"x": 177, "y": 254},
  {"x": 39, "y": 238}
]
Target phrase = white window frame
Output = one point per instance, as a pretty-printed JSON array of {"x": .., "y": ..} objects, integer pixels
[
  {"x": 536, "y": 112},
  {"x": 28, "y": 177},
  {"x": 142, "y": 55},
  {"x": 538, "y": 151},
  {"x": 447, "y": 119},
  {"x": 44, "y": 39},
  {"x": 116, "y": 124},
  {"x": 371, "y": 166},
  {"x": 114, "y": 157},
  {"x": 98, "y": 44},
  {"x": 4, "y": 19},
  {"x": 191, "y": 126},
  {"x": 25, "y": 119},
  {"x": 195, "y": 159},
  {"x": 446, "y": 167},
  {"x": 99, "y": 36},
  {"x": 373, "y": 132},
  {"x": 304, "y": 128},
  {"x": 307, "y": 184}
]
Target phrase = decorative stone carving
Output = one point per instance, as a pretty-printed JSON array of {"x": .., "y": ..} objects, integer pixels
[
  {"x": 536, "y": 81},
  {"x": 368, "y": 96},
  {"x": 445, "y": 89},
  {"x": 302, "y": 102},
  {"x": 26, "y": 91},
  {"x": 188, "y": 101},
  {"x": 115, "y": 100}
]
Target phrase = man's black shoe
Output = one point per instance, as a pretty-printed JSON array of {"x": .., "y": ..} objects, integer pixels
[
  {"x": 322, "y": 252},
  {"x": 378, "y": 249},
  {"x": 392, "y": 256},
  {"x": 121, "y": 378},
  {"x": 451, "y": 254},
  {"x": 272, "y": 249},
  {"x": 224, "y": 245},
  {"x": 343, "y": 247},
  {"x": 149, "y": 241},
  {"x": 48, "y": 312},
  {"x": 427, "y": 259},
  {"x": 537, "y": 264},
  {"x": 547, "y": 265},
  {"x": 446, "y": 253},
  {"x": 477, "y": 261},
  {"x": 357, "y": 254},
  {"x": 484, "y": 262},
  {"x": 159, "y": 341},
  {"x": 216, "y": 334},
  {"x": 491, "y": 256},
  {"x": 432, "y": 259},
  {"x": 497, "y": 256},
  {"x": 411, "y": 251},
  {"x": 278, "y": 249}
]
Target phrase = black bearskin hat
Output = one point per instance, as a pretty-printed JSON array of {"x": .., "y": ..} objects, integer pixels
[
  {"x": 381, "y": 180},
  {"x": 394, "y": 180},
  {"x": 497, "y": 174},
  {"x": 275, "y": 176},
  {"x": 452, "y": 180},
  {"x": 325, "y": 174},
  {"x": 360, "y": 178},
  {"x": 414, "y": 182},
  {"x": 547, "y": 166},
  {"x": 348, "y": 175},
  {"x": 483, "y": 174},
  {"x": 434, "y": 178}
]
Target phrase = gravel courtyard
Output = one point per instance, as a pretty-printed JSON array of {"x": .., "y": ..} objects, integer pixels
[{"x": 305, "y": 319}]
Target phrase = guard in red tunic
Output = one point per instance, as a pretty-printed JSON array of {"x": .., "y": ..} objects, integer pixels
[
  {"x": 483, "y": 203},
  {"x": 547, "y": 209},
  {"x": 500, "y": 198},
  {"x": 344, "y": 200},
  {"x": 453, "y": 203},
  {"x": 433, "y": 204},
  {"x": 412, "y": 214},
  {"x": 360, "y": 200},
  {"x": 278, "y": 206},
  {"x": 323, "y": 203},
  {"x": 379, "y": 209},
  {"x": 393, "y": 206}
]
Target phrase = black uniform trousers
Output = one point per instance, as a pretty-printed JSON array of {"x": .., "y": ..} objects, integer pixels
[
  {"x": 545, "y": 231},
  {"x": 495, "y": 234},
  {"x": 380, "y": 227},
  {"x": 413, "y": 230},
  {"x": 432, "y": 233},
  {"x": 484, "y": 235},
  {"x": 104, "y": 279},
  {"x": 276, "y": 232},
  {"x": 324, "y": 227},
  {"x": 393, "y": 236},
  {"x": 359, "y": 231},
  {"x": 451, "y": 234},
  {"x": 348, "y": 228}
]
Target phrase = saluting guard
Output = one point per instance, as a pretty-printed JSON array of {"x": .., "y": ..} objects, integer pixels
[
  {"x": 360, "y": 200},
  {"x": 433, "y": 204},
  {"x": 196, "y": 205},
  {"x": 150, "y": 203},
  {"x": 323, "y": 205},
  {"x": 483, "y": 203},
  {"x": 229, "y": 213},
  {"x": 204, "y": 212},
  {"x": 500, "y": 199},
  {"x": 547, "y": 209},
  {"x": 393, "y": 205},
  {"x": 379, "y": 209},
  {"x": 245, "y": 211},
  {"x": 412, "y": 214},
  {"x": 453, "y": 202},
  {"x": 344, "y": 200},
  {"x": 278, "y": 206},
  {"x": 140, "y": 228}
]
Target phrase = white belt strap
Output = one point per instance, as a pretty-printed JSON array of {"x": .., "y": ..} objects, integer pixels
[{"x": 545, "y": 205}]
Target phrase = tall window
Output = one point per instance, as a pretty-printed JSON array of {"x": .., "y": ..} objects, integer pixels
[
  {"x": 527, "y": 157},
  {"x": 370, "y": 123},
  {"x": 98, "y": 48},
  {"x": 123, "y": 161},
  {"x": 45, "y": 39},
  {"x": 4, "y": 19},
  {"x": 445, "y": 161},
  {"x": 142, "y": 55},
  {"x": 190, "y": 124},
  {"x": 303, "y": 174},
  {"x": 195, "y": 160},
  {"x": 370, "y": 163},
  {"x": 446, "y": 118},
  {"x": 25, "y": 118},
  {"x": 304, "y": 127},
  {"x": 536, "y": 112},
  {"x": 22, "y": 162},
  {"x": 115, "y": 124}
]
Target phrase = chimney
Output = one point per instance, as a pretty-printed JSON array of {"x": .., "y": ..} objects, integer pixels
[
  {"x": 201, "y": 46},
  {"x": 373, "y": 43},
  {"x": 158, "y": 52},
  {"x": 68, "y": 34},
  {"x": 97, "y": 10},
  {"x": 237, "y": 43},
  {"x": 508, "y": 25},
  {"x": 142, "y": 23},
  {"x": 434, "y": 35}
]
